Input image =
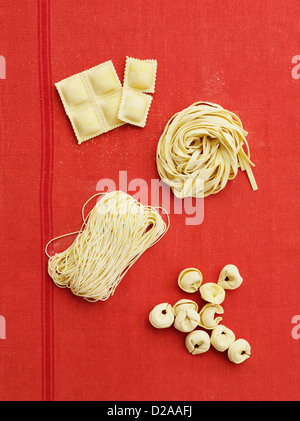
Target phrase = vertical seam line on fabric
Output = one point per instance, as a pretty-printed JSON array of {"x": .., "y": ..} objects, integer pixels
[
  {"x": 46, "y": 183},
  {"x": 51, "y": 182}
]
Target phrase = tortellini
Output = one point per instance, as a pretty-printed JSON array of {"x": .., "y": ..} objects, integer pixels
[
  {"x": 162, "y": 316},
  {"x": 221, "y": 338},
  {"x": 230, "y": 277},
  {"x": 184, "y": 305},
  {"x": 185, "y": 315},
  {"x": 239, "y": 351},
  {"x": 190, "y": 279},
  {"x": 212, "y": 293},
  {"x": 207, "y": 315},
  {"x": 197, "y": 342},
  {"x": 186, "y": 320}
]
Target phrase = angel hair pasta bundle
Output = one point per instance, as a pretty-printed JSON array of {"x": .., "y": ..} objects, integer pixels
[
  {"x": 113, "y": 236},
  {"x": 202, "y": 142}
]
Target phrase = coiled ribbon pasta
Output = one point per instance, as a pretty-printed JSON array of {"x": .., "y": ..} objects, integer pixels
[
  {"x": 202, "y": 148},
  {"x": 113, "y": 236}
]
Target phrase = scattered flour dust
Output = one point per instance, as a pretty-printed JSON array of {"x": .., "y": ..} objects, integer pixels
[{"x": 214, "y": 85}]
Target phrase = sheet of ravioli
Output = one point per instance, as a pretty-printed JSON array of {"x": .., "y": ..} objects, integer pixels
[{"x": 91, "y": 100}]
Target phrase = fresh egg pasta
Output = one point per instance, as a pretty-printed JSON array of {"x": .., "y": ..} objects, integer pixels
[
  {"x": 203, "y": 142},
  {"x": 116, "y": 232}
]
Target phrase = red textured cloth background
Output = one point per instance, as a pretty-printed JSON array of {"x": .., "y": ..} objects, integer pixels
[{"x": 234, "y": 53}]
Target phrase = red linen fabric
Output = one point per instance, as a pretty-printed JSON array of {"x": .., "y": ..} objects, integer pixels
[{"x": 234, "y": 53}]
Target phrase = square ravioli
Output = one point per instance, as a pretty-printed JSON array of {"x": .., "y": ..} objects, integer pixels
[
  {"x": 91, "y": 100},
  {"x": 74, "y": 92},
  {"x": 134, "y": 107},
  {"x": 140, "y": 74},
  {"x": 104, "y": 79},
  {"x": 110, "y": 108},
  {"x": 87, "y": 124}
]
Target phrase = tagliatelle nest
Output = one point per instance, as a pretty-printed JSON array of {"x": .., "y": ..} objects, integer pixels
[{"x": 202, "y": 148}]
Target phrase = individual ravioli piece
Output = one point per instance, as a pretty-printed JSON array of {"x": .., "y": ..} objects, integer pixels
[
  {"x": 134, "y": 107},
  {"x": 87, "y": 124},
  {"x": 73, "y": 92},
  {"x": 110, "y": 109},
  {"x": 140, "y": 74},
  {"x": 104, "y": 79}
]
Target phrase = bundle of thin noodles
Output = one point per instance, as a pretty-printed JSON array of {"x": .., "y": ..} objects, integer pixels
[
  {"x": 113, "y": 236},
  {"x": 202, "y": 148}
]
